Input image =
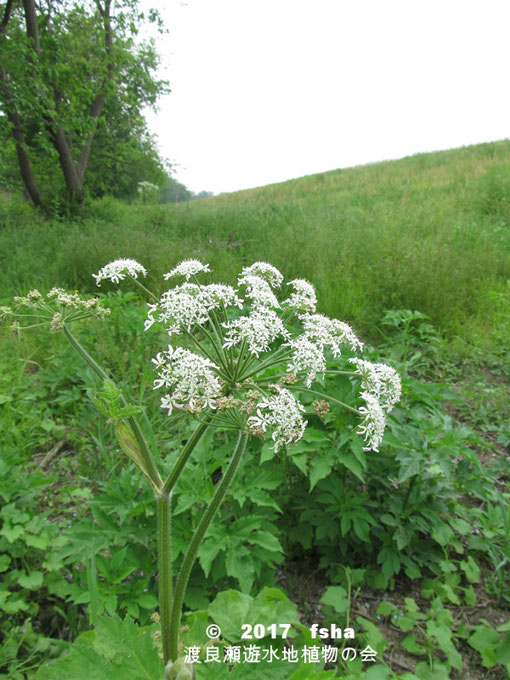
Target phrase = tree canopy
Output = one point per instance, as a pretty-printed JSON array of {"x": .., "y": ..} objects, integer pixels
[{"x": 74, "y": 80}]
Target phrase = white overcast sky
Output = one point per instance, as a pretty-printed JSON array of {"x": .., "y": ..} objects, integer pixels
[{"x": 268, "y": 90}]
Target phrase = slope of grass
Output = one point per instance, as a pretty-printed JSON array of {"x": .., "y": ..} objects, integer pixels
[{"x": 430, "y": 232}]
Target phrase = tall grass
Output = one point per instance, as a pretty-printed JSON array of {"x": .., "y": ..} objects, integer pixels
[{"x": 430, "y": 232}]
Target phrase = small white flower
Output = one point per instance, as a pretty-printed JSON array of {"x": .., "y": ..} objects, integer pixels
[
  {"x": 180, "y": 309},
  {"x": 259, "y": 329},
  {"x": 303, "y": 299},
  {"x": 281, "y": 413},
  {"x": 189, "y": 305},
  {"x": 373, "y": 424},
  {"x": 192, "y": 379},
  {"x": 116, "y": 271},
  {"x": 264, "y": 271},
  {"x": 187, "y": 268},
  {"x": 330, "y": 333},
  {"x": 258, "y": 291},
  {"x": 216, "y": 295},
  {"x": 380, "y": 380},
  {"x": 307, "y": 358}
]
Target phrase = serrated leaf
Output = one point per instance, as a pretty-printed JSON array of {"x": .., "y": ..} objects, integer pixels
[
  {"x": 351, "y": 463},
  {"x": 115, "y": 650},
  {"x": 409, "y": 468},
  {"x": 320, "y": 467}
]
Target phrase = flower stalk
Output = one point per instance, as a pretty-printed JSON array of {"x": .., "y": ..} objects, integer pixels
[{"x": 196, "y": 541}]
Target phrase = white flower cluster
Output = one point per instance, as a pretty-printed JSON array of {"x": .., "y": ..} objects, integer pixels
[
  {"x": 189, "y": 305},
  {"x": 118, "y": 269},
  {"x": 264, "y": 271},
  {"x": 330, "y": 333},
  {"x": 144, "y": 187},
  {"x": 303, "y": 299},
  {"x": 192, "y": 378},
  {"x": 259, "y": 329},
  {"x": 283, "y": 414},
  {"x": 258, "y": 291},
  {"x": 380, "y": 380},
  {"x": 195, "y": 381},
  {"x": 373, "y": 423},
  {"x": 187, "y": 268},
  {"x": 307, "y": 358},
  {"x": 381, "y": 390}
]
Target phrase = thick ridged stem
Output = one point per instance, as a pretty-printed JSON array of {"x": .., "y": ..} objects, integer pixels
[
  {"x": 147, "y": 456},
  {"x": 196, "y": 541},
  {"x": 165, "y": 569}
]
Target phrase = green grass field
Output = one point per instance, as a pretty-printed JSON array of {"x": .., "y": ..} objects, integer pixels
[{"x": 429, "y": 232}]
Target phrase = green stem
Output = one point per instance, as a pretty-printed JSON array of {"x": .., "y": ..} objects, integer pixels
[
  {"x": 196, "y": 541},
  {"x": 183, "y": 458},
  {"x": 277, "y": 357},
  {"x": 165, "y": 569},
  {"x": 145, "y": 290},
  {"x": 147, "y": 456}
]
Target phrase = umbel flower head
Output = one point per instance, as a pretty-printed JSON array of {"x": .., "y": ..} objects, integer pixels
[
  {"x": 118, "y": 270},
  {"x": 54, "y": 309},
  {"x": 251, "y": 357}
]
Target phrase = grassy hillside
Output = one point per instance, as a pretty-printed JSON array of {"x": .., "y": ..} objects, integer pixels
[{"x": 430, "y": 232}]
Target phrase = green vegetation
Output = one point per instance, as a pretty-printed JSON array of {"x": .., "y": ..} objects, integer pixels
[
  {"x": 428, "y": 233},
  {"x": 409, "y": 547}
]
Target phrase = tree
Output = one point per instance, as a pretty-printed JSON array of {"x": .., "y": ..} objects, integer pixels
[{"x": 69, "y": 71}]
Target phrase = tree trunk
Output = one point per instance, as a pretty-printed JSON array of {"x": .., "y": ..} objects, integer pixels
[{"x": 25, "y": 166}]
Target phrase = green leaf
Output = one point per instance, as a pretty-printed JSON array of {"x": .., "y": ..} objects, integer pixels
[
  {"x": 502, "y": 651},
  {"x": 147, "y": 601},
  {"x": 266, "y": 540},
  {"x": 351, "y": 463},
  {"x": 336, "y": 597},
  {"x": 410, "y": 643},
  {"x": 114, "y": 650},
  {"x": 5, "y": 560},
  {"x": 40, "y": 542},
  {"x": 390, "y": 560},
  {"x": 485, "y": 640},
  {"x": 300, "y": 461},
  {"x": 208, "y": 551},
  {"x": 320, "y": 467},
  {"x": 12, "y": 533},
  {"x": 267, "y": 452},
  {"x": 230, "y": 610},
  {"x": 32, "y": 581},
  {"x": 386, "y": 608},
  {"x": 471, "y": 569},
  {"x": 409, "y": 467}
]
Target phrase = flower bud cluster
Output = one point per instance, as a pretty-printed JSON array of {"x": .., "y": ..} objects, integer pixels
[{"x": 55, "y": 308}]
